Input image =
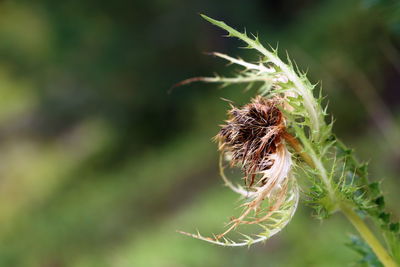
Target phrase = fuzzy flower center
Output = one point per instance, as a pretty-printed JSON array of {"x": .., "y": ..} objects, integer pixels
[{"x": 251, "y": 135}]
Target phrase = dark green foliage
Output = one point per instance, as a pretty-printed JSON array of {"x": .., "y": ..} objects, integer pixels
[{"x": 368, "y": 258}]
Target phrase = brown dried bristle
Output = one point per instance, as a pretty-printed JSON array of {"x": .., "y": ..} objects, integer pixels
[{"x": 251, "y": 134}]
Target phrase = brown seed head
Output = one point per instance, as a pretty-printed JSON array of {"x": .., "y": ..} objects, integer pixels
[{"x": 251, "y": 135}]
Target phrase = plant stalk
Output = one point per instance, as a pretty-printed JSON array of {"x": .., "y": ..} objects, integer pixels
[
  {"x": 368, "y": 236},
  {"x": 295, "y": 144},
  {"x": 352, "y": 216}
]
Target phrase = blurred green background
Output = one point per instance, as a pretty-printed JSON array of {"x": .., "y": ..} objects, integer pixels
[{"x": 99, "y": 165}]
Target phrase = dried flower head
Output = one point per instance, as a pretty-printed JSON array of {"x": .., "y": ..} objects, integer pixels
[
  {"x": 252, "y": 135},
  {"x": 252, "y": 139}
]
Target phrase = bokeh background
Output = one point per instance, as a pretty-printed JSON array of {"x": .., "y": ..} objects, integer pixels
[{"x": 99, "y": 165}]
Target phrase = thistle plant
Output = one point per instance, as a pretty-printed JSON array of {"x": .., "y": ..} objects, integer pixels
[{"x": 282, "y": 139}]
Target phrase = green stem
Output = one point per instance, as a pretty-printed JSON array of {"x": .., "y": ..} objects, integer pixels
[
  {"x": 352, "y": 216},
  {"x": 368, "y": 236}
]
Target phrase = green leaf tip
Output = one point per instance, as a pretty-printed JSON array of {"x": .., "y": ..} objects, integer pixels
[
  {"x": 213, "y": 21},
  {"x": 231, "y": 31}
]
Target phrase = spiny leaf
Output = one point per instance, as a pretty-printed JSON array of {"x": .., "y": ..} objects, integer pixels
[{"x": 368, "y": 257}]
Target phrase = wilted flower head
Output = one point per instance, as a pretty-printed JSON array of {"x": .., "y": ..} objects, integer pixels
[
  {"x": 252, "y": 140},
  {"x": 252, "y": 136}
]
